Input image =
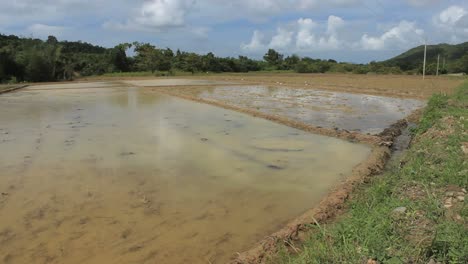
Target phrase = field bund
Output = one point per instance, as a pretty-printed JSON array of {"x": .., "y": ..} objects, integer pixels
[{"x": 111, "y": 172}]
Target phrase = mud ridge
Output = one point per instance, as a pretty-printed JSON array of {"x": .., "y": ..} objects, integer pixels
[{"x": 13, "y": 89}]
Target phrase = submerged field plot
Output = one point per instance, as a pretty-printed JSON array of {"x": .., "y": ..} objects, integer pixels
[
  {"x": 354, "y": 112},
  {"x": 102, "y": 172}
]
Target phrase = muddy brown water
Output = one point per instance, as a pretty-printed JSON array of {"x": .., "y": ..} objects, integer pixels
[
  {"x": 123, "y": 175},
  {"x": 354, "y": 112}
]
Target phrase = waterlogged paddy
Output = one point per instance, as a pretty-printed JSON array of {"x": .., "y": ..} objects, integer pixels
[
  {"x": 123, "y": 175},
  {"x": 354, "y": 112},
  {"x": 174, "y": 82}
]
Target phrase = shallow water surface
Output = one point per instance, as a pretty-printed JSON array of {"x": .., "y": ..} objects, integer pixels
[
  {"x": 123, "y": 175},
  {"x": 354, "y": 112},
  {"x": 174, "y": 82}
]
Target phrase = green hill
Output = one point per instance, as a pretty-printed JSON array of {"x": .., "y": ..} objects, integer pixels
[{"x": 453, "y": 58}]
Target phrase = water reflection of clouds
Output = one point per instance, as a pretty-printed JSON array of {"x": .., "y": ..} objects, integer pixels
[{"x": 115, "y": 155}]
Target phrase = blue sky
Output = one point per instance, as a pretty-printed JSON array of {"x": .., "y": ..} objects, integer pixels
[{"x": 344, "y": 30}]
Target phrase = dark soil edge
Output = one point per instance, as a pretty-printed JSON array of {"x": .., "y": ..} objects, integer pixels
[{"x": 13, "y": 89}]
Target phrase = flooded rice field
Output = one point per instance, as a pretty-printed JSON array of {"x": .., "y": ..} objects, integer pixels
[
  {"x": 102, "y": 173},
  {"x": 175, "y": 82},
  {"x": 354, "y": 112}
]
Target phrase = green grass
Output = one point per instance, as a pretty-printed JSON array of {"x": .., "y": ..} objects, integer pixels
[{"x": 427, "y": 230}]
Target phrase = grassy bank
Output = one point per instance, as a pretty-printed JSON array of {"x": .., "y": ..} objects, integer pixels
[{"x": 415, "y": 212}]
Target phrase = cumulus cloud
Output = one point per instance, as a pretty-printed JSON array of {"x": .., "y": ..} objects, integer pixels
[
  {"x": 452, "y": 15},
  {"x": 453, "y": 23},
  {"x": 404, "y": 35},
  {"x": 305, "y": 34},
  {"x": 164, "y": 13},
  {"x": 305, "y": 37},
  {"x": 255, "y": 44},
  {"x": 454, "y": 19},
  {"x": 282, "y": 39}
]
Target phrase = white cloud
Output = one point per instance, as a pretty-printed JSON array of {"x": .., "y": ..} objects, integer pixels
[
  {"x": 452, "y": 15},
  {"x": 453, "y": 22},
  {"x": 328, "y": 40},
  {"x": 282, "y": 39},
  {"x": 304, "y": 34},
  {"x": 255, "y": 44},
  {"x": 156, "y": 15},
  {"x": 164, "y": 13},
  {"x": 305, "y": 37},
  {"x": 404, "y": 35},
  {"x": 334, "y": 24}
]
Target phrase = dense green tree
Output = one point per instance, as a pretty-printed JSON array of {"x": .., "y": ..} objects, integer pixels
[
  {"x": 461, "y": 65},
  {"x": 291, "y": 61},
  {"x": 29, "y": 59},
  {"x": 147, "y": 56},
  {"x": 53, "y": 50},
  {"x": 38, "y": 68},
  {"x": 119, "y": 57},
  {"x": 273, "y": 58},
  {"x": 165, "y": 62},
  {"x": 192, "y": 63}
]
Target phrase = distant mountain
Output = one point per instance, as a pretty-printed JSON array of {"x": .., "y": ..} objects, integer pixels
[{"x": 455, "y": 57}]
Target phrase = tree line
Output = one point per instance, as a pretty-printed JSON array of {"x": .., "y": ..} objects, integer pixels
[{"x": 35, "y": 60}]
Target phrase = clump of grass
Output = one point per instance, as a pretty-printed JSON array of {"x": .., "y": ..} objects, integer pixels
[{"x": 427, "y": 230}]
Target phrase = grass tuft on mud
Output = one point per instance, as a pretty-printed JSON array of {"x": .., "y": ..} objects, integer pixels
[{"x": 415, "y": 212}]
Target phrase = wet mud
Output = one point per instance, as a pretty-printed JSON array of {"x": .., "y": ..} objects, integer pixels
[
  {"x": 366, "y": 114},
  {"x": 111, "y": 173}
]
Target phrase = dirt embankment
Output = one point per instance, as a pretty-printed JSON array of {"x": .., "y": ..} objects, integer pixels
[{"x": 10, "y": 88}]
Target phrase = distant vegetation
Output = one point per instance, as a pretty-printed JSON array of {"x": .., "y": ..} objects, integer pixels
[
  {"x": 453, "y": 59},
  {"x": 35, "y": 60}
]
